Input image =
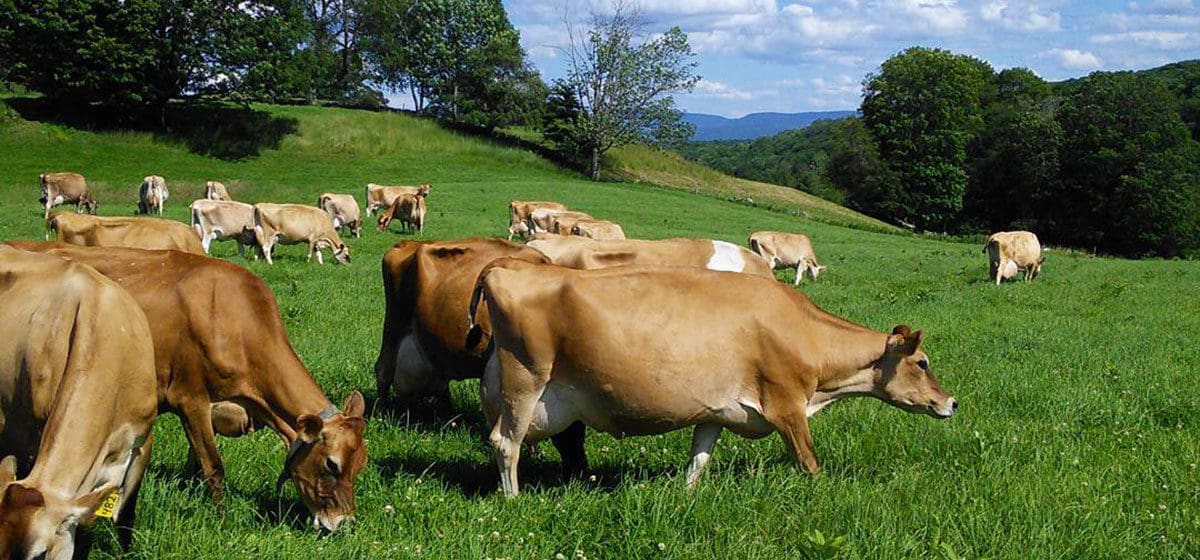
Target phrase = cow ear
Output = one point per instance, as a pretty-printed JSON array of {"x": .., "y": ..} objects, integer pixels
[
  {"x": 8, "y": 470},
  {"x": 902, "y": 330},
  {"x": 355, "y": 405},
  {"x": 310, "y": 426},
  {"x": 19, "y": 496}
]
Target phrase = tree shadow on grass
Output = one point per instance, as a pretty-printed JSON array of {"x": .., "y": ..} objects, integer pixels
[{"x": 206, "y": 128}]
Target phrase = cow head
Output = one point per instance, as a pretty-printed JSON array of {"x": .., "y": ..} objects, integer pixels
[
  {"x": 341, "y": 252},
  {"x": 816, "y": 271},
  {"x": 385, "y": 218},
  {"x": 904, "y": 378},
  {"x": 423, "y": 189},
  {"x": 37, "y": 525},
  {"x": 88, "y": 203},
  {"x": 327, "y": 457}
]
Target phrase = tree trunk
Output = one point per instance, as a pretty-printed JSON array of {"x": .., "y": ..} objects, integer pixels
[{"x": 596, "y": 164}]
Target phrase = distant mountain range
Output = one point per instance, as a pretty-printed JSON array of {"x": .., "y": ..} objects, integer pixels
[{"x": 754, "y": 125}]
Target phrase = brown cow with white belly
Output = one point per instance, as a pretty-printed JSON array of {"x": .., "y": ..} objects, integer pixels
[
  {"x": 598, "y": 229},
  {"x": 648, "y": 350},
  {"x": 583, "y": 253},
  {"x": 224, "y": 363},
  {"x": 380, "y": 196},
  {"x": 519, "y": 211},
  {"x": 408, "y": 209},
  {"x": 137, "y": 233},
  {"x": 214, "y": 190},
  {"x": 77, "y": 403},
  {"x": 64, "y": 188},
  {"x": 219, "y": 220},
  {"x": 152, "y": 195},
  {"x": 343, "y": 210},
  {"x": 1012, "y": 251},
  {"x": 787, "y": 250},
  {"x": 290, "y": 224}
]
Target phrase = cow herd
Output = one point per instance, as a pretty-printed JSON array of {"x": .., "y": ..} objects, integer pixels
[{"x": 577, "y": 327}]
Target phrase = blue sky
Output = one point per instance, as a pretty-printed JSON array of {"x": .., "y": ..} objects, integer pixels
[{"x": 778, "y": 55}]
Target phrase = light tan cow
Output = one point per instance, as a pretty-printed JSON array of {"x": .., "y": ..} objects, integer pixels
[
  {"x": 542, "y": 220},
  {"x": 648, "y": 350},
  {"x": 518, "y": 215},
  {"x": 137, "y": 233},
  {"x": 343, "y": 210},
  {"x": 77, "y": 403},
  {"x": 380, "y": 196},
  {"x": 290, "y": 224},
  {"x": 1011, "y": 251},
  {"x": 152, "y": 195},
  {"x": 64, "y": 188},
  {"x": 214, "y": 190},
  {"x": 584, "y": 253},
  {"x": 219, "y": 220},
  {"x": 225, "y": 364},
  {"x": 598, "y": 229},
  {"x": 409, "y": 209},
  {"x": 787, "y": 250}
]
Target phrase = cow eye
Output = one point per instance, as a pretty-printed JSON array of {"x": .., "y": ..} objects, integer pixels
[
  {"x": 331, "y": 466},
  {"x": 923, "y": 364}
]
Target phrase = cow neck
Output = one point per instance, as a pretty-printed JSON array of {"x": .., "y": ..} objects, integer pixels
[
  {"x": 850, "y": 353},
  {"x": 294, "y": 396}
]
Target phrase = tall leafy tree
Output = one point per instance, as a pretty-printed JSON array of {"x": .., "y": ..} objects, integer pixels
[
  {"x": 923, "y": 107},
  {"x": 856, "y": 169},
  {"x": 1131, "y": 172},
  {"x": 624, "y": 79}
]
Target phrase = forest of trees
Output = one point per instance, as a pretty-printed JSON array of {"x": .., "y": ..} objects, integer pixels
[{"x": 1109, "y": 162}]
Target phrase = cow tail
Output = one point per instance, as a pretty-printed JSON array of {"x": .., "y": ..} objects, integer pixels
[{"x": 473, "y": 308}]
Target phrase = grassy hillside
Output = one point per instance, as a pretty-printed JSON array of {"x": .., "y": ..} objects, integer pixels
[{"x": 1078, "y": 434}]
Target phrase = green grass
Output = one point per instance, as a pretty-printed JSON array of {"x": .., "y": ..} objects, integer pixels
[{"x": 1078, "y": 434}]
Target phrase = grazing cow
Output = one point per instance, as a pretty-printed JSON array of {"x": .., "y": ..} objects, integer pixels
[
  {"x": 598, "y": 229},
  {"x": 648, "y": 350},
  {"x": 224, "y": 363},
  {"x": 77, "y": 403},
  {"x": 409, "y": 209},
  {"x": 1010, "y": 251},
  {"x": 787, "y": 250},
  {"x": 379, "y": 196},
  {"x": 216, "y": 191},
  {"x": 542, "y": 220},
  {"x": 152, "y": 195},
  {"x": 584, "y": 253},
  {"x": 138, "y": 233},
  {"x": 518, "y": 215},
  {"x": 296, "y": 223},
  {"x": 218, "y": 220},
  {"x": 343, "y": 210},
  {"x": 63, "y": 188}
]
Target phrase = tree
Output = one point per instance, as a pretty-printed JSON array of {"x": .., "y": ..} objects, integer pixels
[
  {"x": 857, "y": 170},
  {"x": 923, "y": 107},
  {"x": 623, "y": 79},
  {"x": 1131, "y": 172}
]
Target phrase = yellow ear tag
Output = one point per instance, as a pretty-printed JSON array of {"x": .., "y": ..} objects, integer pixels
[{"x": 108, "y": 507}]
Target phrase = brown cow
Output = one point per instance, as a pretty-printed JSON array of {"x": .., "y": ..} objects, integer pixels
[
  {"x": 224, "y": 361},
  {"x": 214, "y": 190},
  {"x": 218, "y": 220},
  {"x": 598, "y": 229},
  {"x": 152, "y": 195},
  {"x": 542, "y": 220},
  {"x": 379, "y": 196},
  {"x": 343, "y": 210},
  {"x": 63, "y": 188},
  {"x": 584, "y": 253},
  {"x": 518, "y": 215},
  {"x": 648, "y": 350},
  {"x": 77, "y": 403},
  {"x": 786, "y": 250},
  {"x": 137, "y": 233},
  {"x": 409, "y": 209},
  {"x": 1011, "y": 251},
  {"x": 296, "y": 223}
]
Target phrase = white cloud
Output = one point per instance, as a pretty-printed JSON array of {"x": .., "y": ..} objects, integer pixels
[
  {"x": 1165, "y": 40},
  {"x": 937, "y": 17},
  {"x": 1073, "y": 59},
  {"x": 718, "y": 90},
  {"x": 1162, "y": 6},
  {"x": 1020, "y": 18}
]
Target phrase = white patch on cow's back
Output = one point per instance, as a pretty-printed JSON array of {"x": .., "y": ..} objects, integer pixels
[{"x": 726, "y": 256}]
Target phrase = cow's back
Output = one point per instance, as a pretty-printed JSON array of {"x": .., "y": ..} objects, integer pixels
[{"x": 65, "y": 183}]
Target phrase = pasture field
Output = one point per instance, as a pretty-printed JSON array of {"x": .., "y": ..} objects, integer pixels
[{"x": 1077, "y": 435}]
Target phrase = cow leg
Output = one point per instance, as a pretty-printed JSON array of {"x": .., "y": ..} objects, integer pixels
[
  {"x": 265, "y": 242},
  {"x": 133, "y": 486},
  {"x": 314, "y": 248},
  {"x": 1000, "y": 271},
  {"x": 793, "y": 428},
  {"x": 801, "y": 268},
  {"x": 569, "y": 444},
  {"x": 704, "y": 437},
  {"x": 198, "y": 427},
  {"x": 520, "y": 390}
]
